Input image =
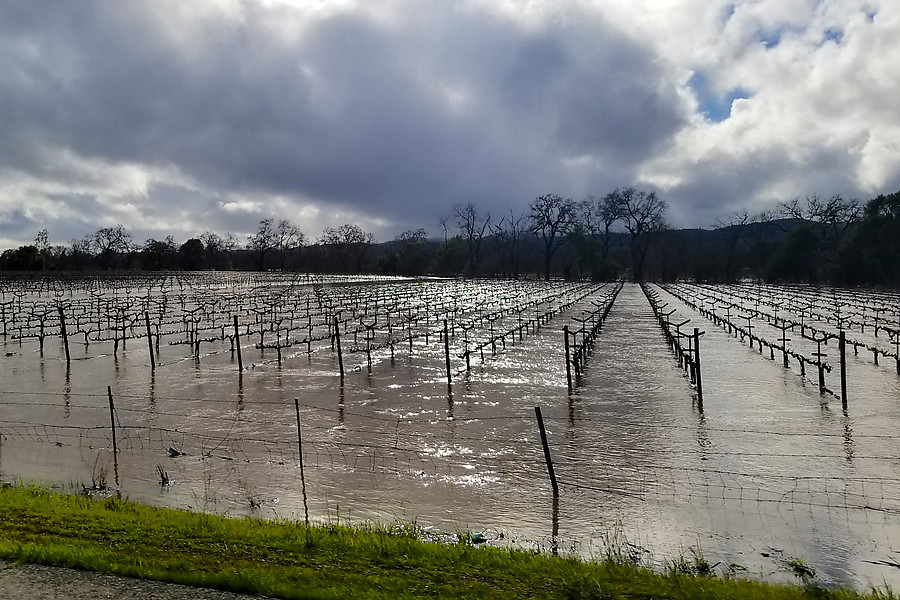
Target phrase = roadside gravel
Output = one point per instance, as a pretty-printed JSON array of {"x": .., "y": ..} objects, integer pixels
[{"x": 40, "y": 582}]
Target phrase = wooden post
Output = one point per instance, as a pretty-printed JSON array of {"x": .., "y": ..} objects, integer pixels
[
  {"x": 549, "y": 461},
  {"x": 237, "y": 344},
  {"x": 112, "y": 419},
  {"x": 568, "y": 359},
  {"x": 409, "y": 333},
  {"x": 842, "y": 347},
  {"x": 368, "y": 343},
  {"x": 150, "y": 341},
  {"x": 65, "y": 335},
  {"x": 821, "y": 367},
  {"x": 112, "y": 422},
  {"x": 447, "y": 352},
  {"x": 300, "y": 449},
  {"x": 697, "y": 367},
  {"x": 337, "y": 341}
]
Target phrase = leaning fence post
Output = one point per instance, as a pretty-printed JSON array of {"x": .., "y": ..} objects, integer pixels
[
  {"x": 540, "y": 420},
  {"x": 150, "y": 341},
  {"x": 112, "y": 419},
  {"x": 337, "y": 340},
  {"x": 112, "y": 422},
  {"x": 300, "y": 449},
  {"x": 568, "y": 359},
  {"x": 237, "y": 344},
  {"x": 62, "y": 330}
]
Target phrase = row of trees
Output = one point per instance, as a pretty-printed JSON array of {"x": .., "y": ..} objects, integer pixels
[
  {"x": 480, "y": 245},
  {"x": 278, "y": 245},
  {"x": 621, "y": 234},
  {"x": 555, "y": 221}
]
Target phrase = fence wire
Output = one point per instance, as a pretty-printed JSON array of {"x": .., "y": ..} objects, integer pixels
[{"x": 405, "y": 449}]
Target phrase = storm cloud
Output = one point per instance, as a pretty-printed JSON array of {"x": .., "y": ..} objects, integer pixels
[{"x": 174, "y": 118}]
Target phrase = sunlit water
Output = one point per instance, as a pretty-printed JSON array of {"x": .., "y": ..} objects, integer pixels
[{"x": 767, "y": 471}]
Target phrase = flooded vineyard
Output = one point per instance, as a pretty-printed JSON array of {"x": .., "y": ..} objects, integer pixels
[{"x": 752, "y": 424}]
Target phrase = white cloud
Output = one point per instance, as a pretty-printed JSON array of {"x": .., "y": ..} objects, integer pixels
[{"x": 818, "y": 118}]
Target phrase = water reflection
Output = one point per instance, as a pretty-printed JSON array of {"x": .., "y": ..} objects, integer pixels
[
  {"x": 67, "y": 395},
  {"x": 848, "y": 438},
  {"x": 449, "y": 402},
  {"x": 703, "y": 440},
  {"x": 151, "y": 393}
]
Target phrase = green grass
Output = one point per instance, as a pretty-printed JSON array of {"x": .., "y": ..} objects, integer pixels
[{"x": 291, "y": 560}]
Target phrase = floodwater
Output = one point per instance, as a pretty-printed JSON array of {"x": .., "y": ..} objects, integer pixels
[{"x": 768, "y": 469}]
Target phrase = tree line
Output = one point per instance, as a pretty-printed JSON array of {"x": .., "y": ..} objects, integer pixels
[{"x": 622, "y": 234}]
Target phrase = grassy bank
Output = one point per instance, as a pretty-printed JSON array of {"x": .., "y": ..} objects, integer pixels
[{"x": 290, "y": 560}]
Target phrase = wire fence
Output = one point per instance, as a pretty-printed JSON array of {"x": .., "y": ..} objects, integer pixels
[{"x": 413, "y": 449}]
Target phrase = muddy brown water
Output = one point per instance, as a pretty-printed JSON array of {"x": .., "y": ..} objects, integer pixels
[{"x": 768, "y": 471}]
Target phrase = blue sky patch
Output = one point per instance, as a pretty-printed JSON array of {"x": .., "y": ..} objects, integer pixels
[
  {"x": 770, "y": 39},
  {"x": 834, "y": 35},
  {"x": 714, "y": 106}
]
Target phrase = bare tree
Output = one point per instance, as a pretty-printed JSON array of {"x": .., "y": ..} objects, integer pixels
[
  {"x": 217, "y": 246},
  {"x": 289, "y": 238},
  {"x": 597, "y": 216},
  {"x": 822, "y": 225},
  {"x": 551, "y": 218},
  {"x": 212, "y": 248},
  {"x": 472, "y": 226},
  {"x": 263, "y": 241},
  {"x": 351, "y": 245},
  {"x": 109, "y": 241},
  {"x": 82, "y": 250},
  {"x": 508, "y": 235},
  {"x": 42, "y": 243},
  {"x": 445, "y": 225},
  {"x": 411, "y": 256},
  {"x": 830, "y": 218},
  {"x": 643, "y": 216},
  {"x": 42, "y": 240}
]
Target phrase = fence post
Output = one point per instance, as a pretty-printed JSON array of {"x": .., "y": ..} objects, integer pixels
[
  {"x": 112, "y": 423},
  {"x": 568, "y": 359},
  {"x": 697, "y": 367},
  {"x": 549, "y": 461},
  {"x": 821, "y": 367},
  {"x": 150, "y": 341},
  {"x": 842, "y": 347},
  {"x": 447, "y": 351},
  {"x": 300, "y": 449},
  {"x": 237, "y": 344},
  {"x": 65, "y": 335},
  {"x": 112, "y": 418},
  {"x": 337, "y": 340}
]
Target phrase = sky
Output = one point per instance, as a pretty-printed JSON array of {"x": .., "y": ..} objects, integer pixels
[{"x": 174, "y": 118}]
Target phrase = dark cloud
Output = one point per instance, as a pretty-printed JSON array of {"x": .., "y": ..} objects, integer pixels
[
  {"x": 397, "y": 121},
  {"x": 178, "y": 117}
]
